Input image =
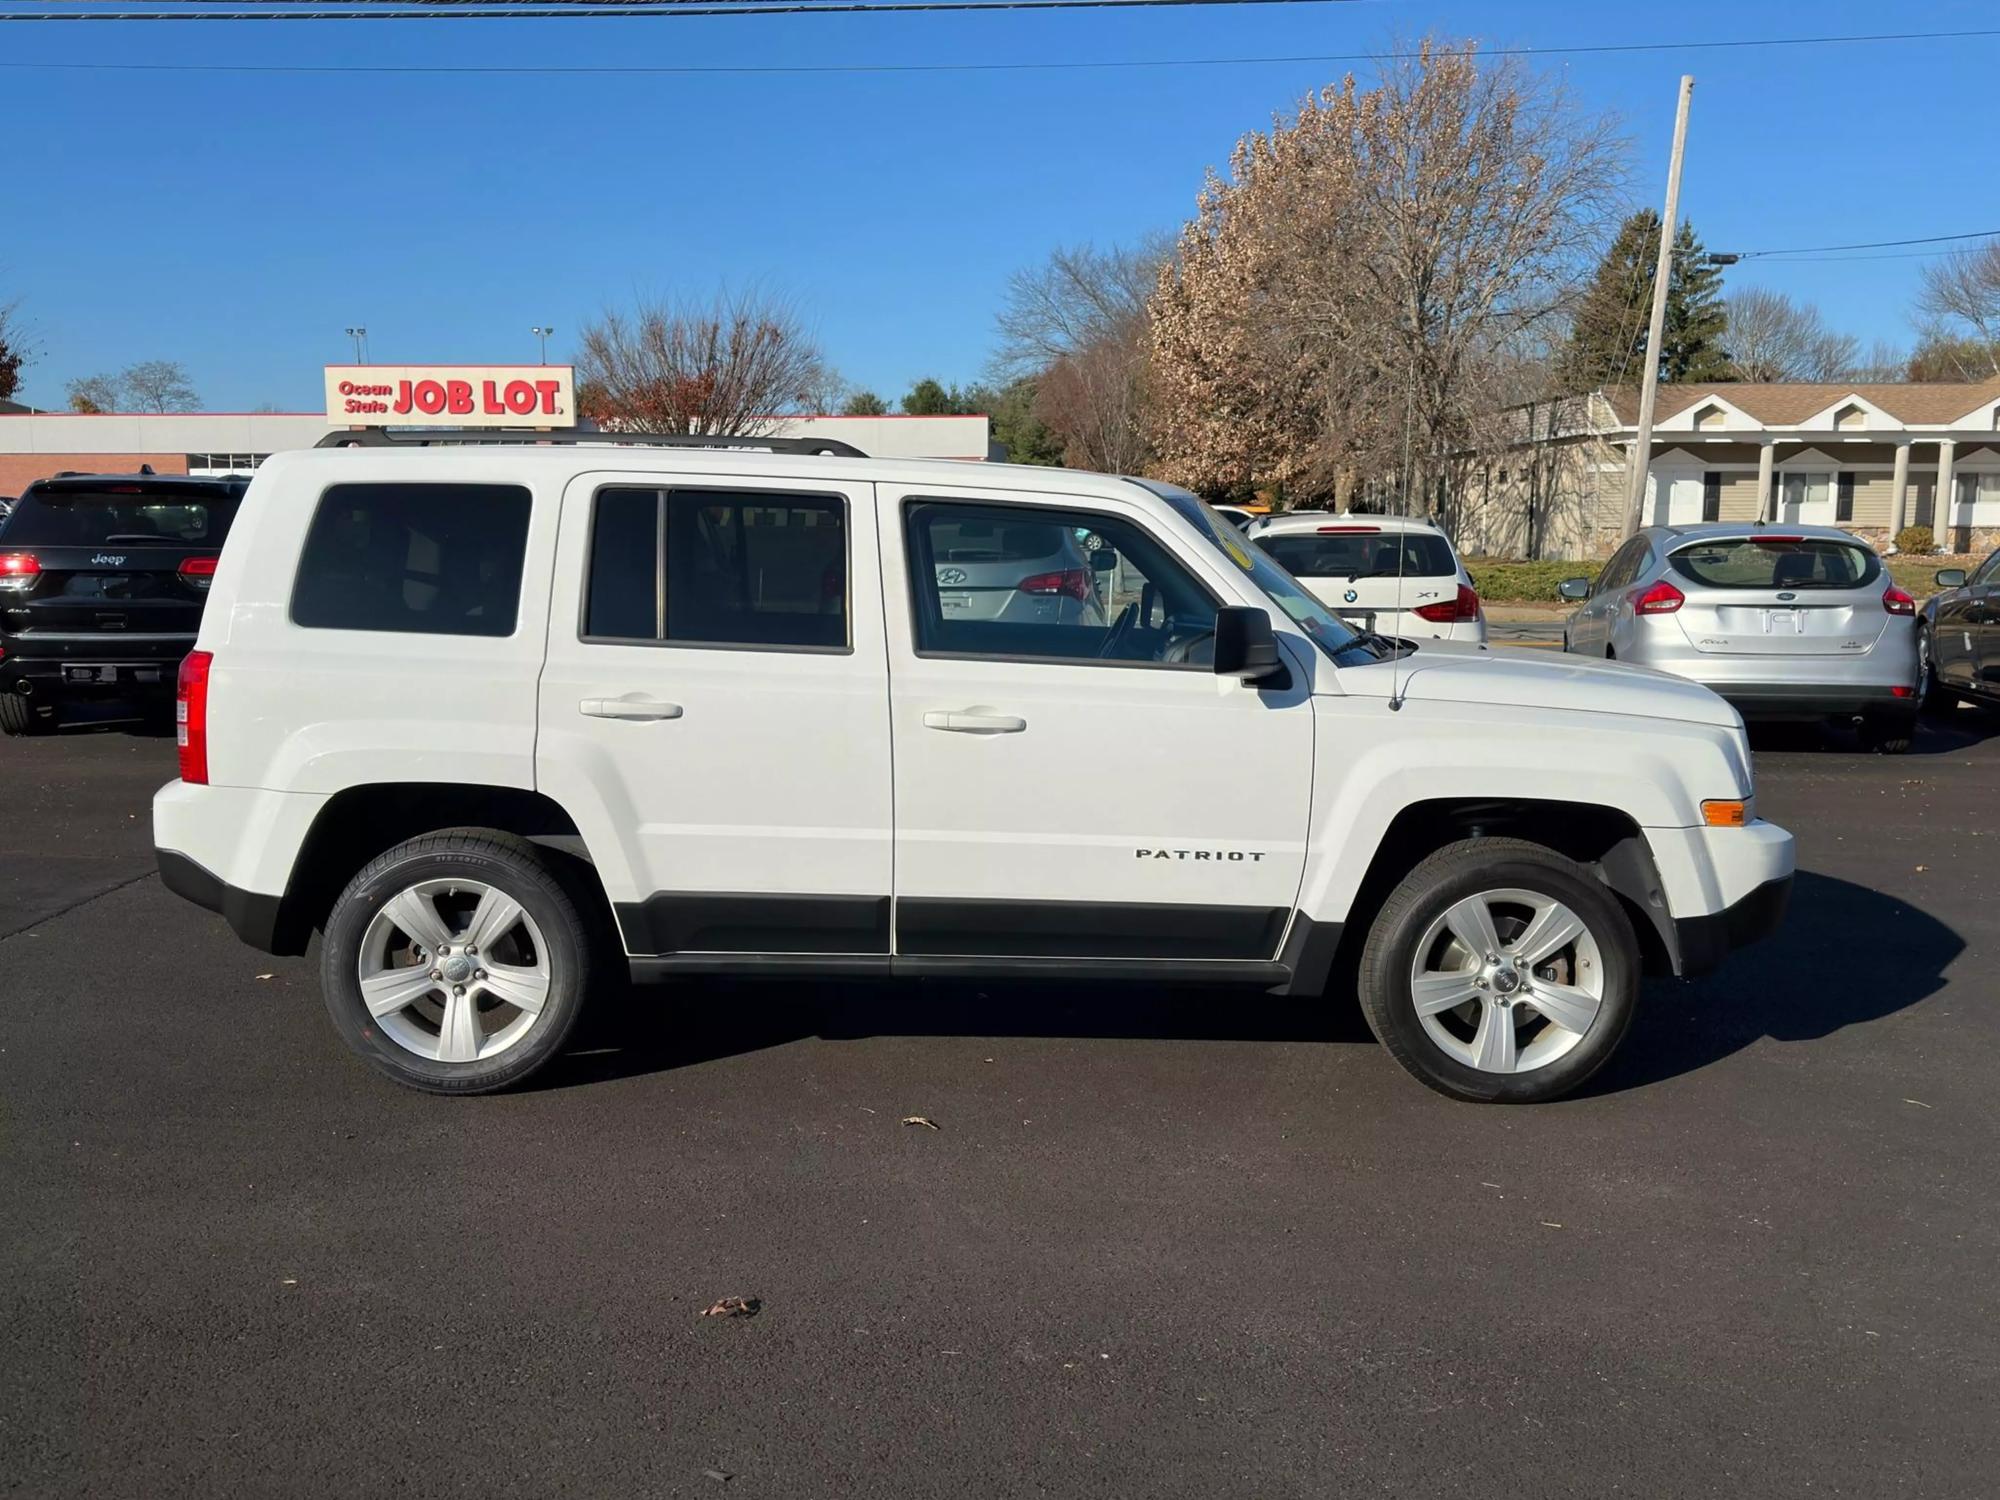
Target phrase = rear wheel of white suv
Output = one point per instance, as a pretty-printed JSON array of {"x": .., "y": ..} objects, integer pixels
[
  {"x": 456, "y": 963},
  {"x": 1500, "y": 971}
]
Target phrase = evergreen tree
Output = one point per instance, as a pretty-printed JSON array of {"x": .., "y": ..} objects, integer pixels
[{"x": 1608, "y": 338}]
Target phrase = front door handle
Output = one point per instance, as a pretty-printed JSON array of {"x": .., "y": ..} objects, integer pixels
[
  {"x": 974, "y": 723},
  {"x": 629, "y": 708}
]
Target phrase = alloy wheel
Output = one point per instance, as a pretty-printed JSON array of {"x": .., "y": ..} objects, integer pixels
[
  {"x": 455, "y": 971},
  {"x": 1507, "y": 980}
]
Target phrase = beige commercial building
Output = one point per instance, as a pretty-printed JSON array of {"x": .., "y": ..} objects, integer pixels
[{"x": 1872, "y": 458}]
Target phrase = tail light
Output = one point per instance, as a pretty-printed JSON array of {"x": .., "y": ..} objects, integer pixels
[
  {"x": 1075, "y": 582},
  {"x": 198, "y": 572},
  {"x": 191, "y": 716},
  {"x": 1897, "y": 602},
  {"x": 1448, "y": 611},
  {"x": 18, "y": 571},
  {"x": 1350, "y": 531},
  {"x": 1661, "y": 599}
]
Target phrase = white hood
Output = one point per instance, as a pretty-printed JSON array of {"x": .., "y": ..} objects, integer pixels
[{"x": 1459, "y": 672}]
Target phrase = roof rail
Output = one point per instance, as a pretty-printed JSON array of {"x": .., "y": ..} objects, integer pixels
[{"x": 425, "y": 437}]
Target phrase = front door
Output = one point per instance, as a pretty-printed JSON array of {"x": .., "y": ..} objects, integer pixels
[
  {"x": 1073, "y": 781},
  {"x": 714, "y": 711}
]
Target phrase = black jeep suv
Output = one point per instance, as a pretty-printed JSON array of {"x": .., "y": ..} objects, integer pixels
[{"x": 102, "y": 578}]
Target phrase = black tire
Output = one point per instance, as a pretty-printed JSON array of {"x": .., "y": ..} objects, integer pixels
[
  {"x": 20, "y": 715},
  {"x": 1933, "y": 697},
  {"x": 507, "y": 863},
  {"x": 1447, "y": 877}
]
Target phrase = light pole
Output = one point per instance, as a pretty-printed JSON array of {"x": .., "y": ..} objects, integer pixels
[
  {"x": 542, "y": 334},
  {"x": 360, "y": 337}
]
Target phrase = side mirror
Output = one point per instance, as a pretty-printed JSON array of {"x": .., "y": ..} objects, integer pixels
[
  {"x": 1244, "y": 645},
  {"x": 1103, "y": 560},
  {"x": 1950, "y": 578},
  {"x": 1574, "y": 589}
]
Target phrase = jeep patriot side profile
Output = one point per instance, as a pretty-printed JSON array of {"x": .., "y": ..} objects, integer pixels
[{"x": 498, "y": 721}]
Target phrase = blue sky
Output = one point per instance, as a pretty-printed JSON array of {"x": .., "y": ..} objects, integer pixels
[{"x": 238, "y": 222}]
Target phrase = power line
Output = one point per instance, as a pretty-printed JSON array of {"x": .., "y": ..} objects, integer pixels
[
  {"x": 1928, "y": 239},
  {"x": 626, "y": 10}
]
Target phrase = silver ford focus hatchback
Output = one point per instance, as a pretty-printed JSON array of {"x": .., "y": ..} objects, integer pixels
[{"x": 1786, "y": 622}]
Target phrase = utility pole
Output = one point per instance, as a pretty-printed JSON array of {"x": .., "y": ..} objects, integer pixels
[{"x": 1641, "y": 458}]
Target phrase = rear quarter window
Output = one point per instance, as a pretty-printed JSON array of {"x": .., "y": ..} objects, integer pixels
[
  {"x": 1310, "y": 554},
  {"x": 1777, "y": 563},
  {"x": 431, "y": 559}
]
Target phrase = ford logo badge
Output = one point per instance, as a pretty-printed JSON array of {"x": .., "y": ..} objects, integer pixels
[
  {"x": 1350, "y": 596},
  {"x": 1788, "y": 597}
]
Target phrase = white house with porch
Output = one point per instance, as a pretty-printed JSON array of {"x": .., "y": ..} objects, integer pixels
[{"x": 1874, "y": 458}]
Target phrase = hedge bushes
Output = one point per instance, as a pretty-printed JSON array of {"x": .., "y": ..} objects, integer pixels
[{"x": 1502, "y": 582}]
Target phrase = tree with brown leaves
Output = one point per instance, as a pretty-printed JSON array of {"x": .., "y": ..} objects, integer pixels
[{"x": 1342, "y": 299}]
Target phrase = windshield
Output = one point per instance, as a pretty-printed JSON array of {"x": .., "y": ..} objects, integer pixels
[
  {"x": 1769, "y": 562},
  {"x": 1321, "y": 625},
  {"x": 94, "y": 518},
  {"x": 1349, "y": 553}
]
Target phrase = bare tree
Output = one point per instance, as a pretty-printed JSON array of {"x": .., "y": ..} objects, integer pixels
[
  {"x": 1344, "y": 302},
  {"x": 1884, "y": 364},
  {"x": 1773, "y": 338},
  {"x": 1960, "y": 307},
  {"x": 14, "y": 350},
  {"x": 158, "y": 385},
  {"x": 92, "y": 394},
  {"x": 1076, "y": 326},
  {"x": 1079, "y": 297},
  {"x": 730, "y": 366}
]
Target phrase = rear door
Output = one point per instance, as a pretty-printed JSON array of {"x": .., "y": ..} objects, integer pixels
[
  {"x": 1590, "y": 627},
  {"x": 103, "y": 574},
  {"x": 714, "y": 710},
  {"x": 1984, "y": 610},
  {"x": 1780, "y": 595}
]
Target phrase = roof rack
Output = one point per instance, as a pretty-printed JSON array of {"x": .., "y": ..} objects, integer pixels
[{"x": 382, "y": 437}]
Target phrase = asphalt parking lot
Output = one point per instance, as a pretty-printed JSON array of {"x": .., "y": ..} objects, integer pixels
[{"x": 1183, "y": 1244}]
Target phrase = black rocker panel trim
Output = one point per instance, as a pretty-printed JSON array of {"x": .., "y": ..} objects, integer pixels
[
  {"x": 950, "y": 926},
  {"x": 736, "y": 922}
]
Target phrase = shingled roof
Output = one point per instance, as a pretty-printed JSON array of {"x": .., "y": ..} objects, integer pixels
[{"x": 1777, "y": 404}]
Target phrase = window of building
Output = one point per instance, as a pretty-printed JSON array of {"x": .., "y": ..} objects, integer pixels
[
  {"x": 1977, "y": 500},
  {"x": 1711, "y": 496},
  {"x": 438, "y": 559},
  {"x": 1843, "y": 497},
  {"x": 718, "y": 568},
  {"x": 1797, "y": 491},
  {"x": 1025, "y": 582},
  {"x": 215, "y": 465}
]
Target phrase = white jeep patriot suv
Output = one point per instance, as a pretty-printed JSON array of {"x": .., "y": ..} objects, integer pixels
[{"x": 506, "y": 722}]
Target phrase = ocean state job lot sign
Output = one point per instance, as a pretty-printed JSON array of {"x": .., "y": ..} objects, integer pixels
[{"x": 451, "y": 395}]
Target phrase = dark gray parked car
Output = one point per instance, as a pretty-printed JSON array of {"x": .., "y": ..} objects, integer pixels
[{"x": 1958, "y": 637}]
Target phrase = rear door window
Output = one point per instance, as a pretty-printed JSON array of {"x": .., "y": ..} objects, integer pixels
[
  {"x": 718, "y": 568},
  {"x": 433, "y": 559},
  {"x": 109, "y": 518},
  {"x": 1362, "y": 554},
  {"x": 1777, "y": 563}
]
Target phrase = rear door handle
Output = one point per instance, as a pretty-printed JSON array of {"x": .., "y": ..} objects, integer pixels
[
  {"x": 629, "y": 708},
  {"x": 974, "y": 723}
]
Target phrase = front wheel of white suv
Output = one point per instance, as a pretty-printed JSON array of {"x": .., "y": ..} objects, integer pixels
[
  {"x": 457, "y": 962},
  {"x": 1500, "y": 971}
]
